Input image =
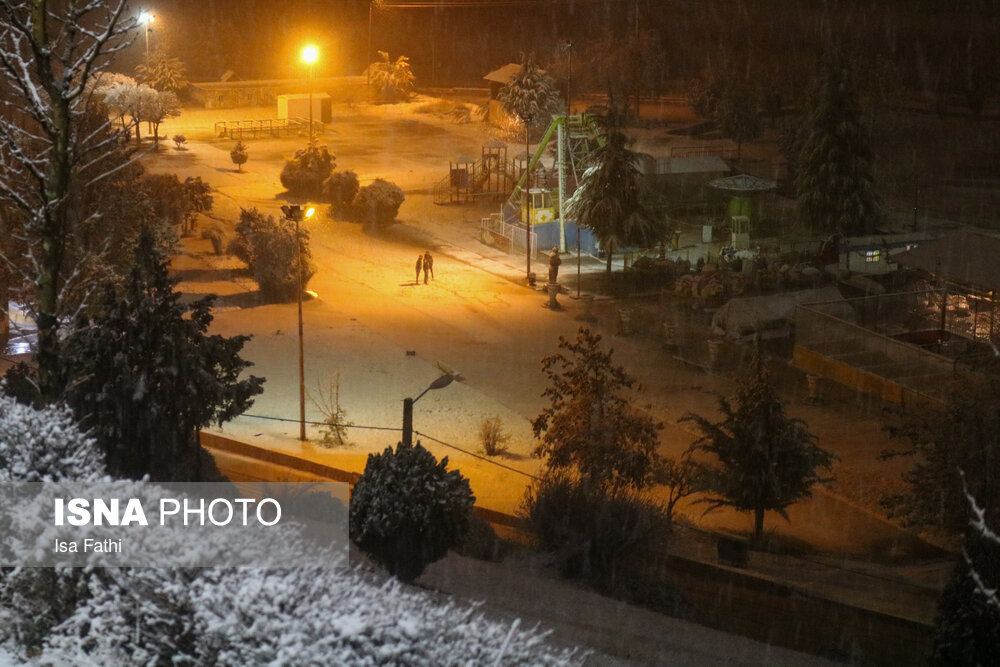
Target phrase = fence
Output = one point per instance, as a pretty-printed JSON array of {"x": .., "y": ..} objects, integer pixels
[
  {"x": 879, "y": 351},
  {"x": 265, "y": 127},
  {"x": 494, "y": 229}
]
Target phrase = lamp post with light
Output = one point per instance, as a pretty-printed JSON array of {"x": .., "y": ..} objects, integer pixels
[
  {"x": 310, "y": 54},
  {"x": 295, "y": 213},
  {"x": 526, "y": 119},
  {"x": 440, "y": 383},
  {"x": 145, "y": 18}
]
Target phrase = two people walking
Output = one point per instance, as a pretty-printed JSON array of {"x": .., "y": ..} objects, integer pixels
[{"x": 425, "y": 263}]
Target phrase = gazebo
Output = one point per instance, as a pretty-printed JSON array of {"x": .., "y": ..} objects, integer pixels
[{"x": 741, "y": 206}]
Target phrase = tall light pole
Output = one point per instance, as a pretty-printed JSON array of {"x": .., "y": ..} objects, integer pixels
[
  {"x": 145, "y": 18},
  {"x": 440, "y": 383},
  {"x": 526, "y": 119},
  {"x": 569, "y": 78},
  {"x": 310, "y": 54},
  {"x": 295, "y": 212}
]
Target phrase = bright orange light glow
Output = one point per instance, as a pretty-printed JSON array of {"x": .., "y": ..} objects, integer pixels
[
  {"x": 310, "y": 54},
  {"x": 146, "y": 18},
  {"x": 310, "y": 211}
]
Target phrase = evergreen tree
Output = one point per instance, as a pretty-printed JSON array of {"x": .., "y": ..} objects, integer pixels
[
  {"x": 589, "y": 426},
  {"x": 962, "y": 435},
  {"x": 531, "y": 94},
  {"x": 738, "y": 117},
  {"x": 407, "y": 509},
  {"x": 608, "y": 200},
  {"x": 162, "y": 72},
  {"x": 835, "y": 184},
  {"x": 238, "y": 155},
  {"x": 766, "y": 460},
  {"x": 142, "y": 375},
  {"x": 967, "y": 626}
]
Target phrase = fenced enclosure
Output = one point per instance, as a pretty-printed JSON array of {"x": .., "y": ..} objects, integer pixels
[
  {"x": 512, "y": 237},
  {"x": 896, "y": 344},
  {"x": 266, "y": 127}
]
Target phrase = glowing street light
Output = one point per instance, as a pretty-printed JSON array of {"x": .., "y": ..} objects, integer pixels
[
  {"x": 145, "y": 18},
  {"x": 310, "y": 54},
  {"x": 295, "y": 212}
]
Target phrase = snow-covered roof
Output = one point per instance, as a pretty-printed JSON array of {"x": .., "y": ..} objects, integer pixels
[
  {"x": 743, "y": 183},
  {"x": 504, "y": 74},
  {"x": 703, "y": 164}
]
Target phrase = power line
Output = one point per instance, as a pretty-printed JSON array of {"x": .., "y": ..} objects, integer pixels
[{"x": 390, "y": 428}]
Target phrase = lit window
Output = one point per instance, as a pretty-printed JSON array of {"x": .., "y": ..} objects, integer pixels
[{"x": 873, "y": 255}]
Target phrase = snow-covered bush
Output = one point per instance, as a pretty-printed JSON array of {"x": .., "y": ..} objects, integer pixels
[
  {"x": 407, "y": 509},
  {"x": 305, "y": 173},
  {"x": 251, "y": 617},
  {"x": 340, "y": 190},
  {"x": 45, "y": 445},
  {"x": 268, "y": 247},
  {"x": 378, "y": 202}
]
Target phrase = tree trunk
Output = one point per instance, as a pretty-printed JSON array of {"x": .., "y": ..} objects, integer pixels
[
  {"x": 611, "y": 248},
  {"x": 758, "y": 524}
]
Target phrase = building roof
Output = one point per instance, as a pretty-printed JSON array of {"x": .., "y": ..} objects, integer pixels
[
  {"x": 504, "y": 74},
  {"x": 966, "y": 257},
  {"x": 702, "y": 164},
  {"x": 743, "y": 183}
]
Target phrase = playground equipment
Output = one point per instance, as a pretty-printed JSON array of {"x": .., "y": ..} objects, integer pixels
[
  {"x": 577, "y": 137},
  {"x": 468, "y": 179}
]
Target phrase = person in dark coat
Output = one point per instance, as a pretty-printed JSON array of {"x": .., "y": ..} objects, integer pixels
[
  {"x": 428, "y": 266},
  {"x": 420, "y": 265},
  {"x": 554, "y": 262}
]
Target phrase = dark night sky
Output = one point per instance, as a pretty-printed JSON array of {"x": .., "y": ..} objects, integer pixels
[{"x": 457, "y": 45}]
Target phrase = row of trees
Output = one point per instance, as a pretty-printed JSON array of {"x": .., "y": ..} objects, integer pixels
[{"x": 139, "y": 102}]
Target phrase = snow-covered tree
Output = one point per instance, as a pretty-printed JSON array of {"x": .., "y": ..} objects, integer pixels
[
  {"x": 159, "y": 107},
  {"x": 142, "y": 373},
  {"x": 589, "y": 426},
  {"x": 268, "y": 247},
  {"x": 49, "y": 54},
  {"x": 765, "y": 460},
  {"x": 393, "y": 79},
  {"x": 162, "y": 71},
  {"x": 408, "y": 509},
  {"x": 531, "y": 94},
  {"x": 608, "y": 200},
  {"x": 835, "y": 182}
]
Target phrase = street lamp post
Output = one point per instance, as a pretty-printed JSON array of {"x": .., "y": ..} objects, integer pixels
[
  {"x": 440, "y": 383},
  {"x": 526, "y": 119},
  {"x": 295, "y": 213},
  {"x": 310, "y": 54},
  {"x": 145, "y": 18}
]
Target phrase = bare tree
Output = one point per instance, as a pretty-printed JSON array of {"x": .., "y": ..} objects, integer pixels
[{"x": 50, "y": 53}]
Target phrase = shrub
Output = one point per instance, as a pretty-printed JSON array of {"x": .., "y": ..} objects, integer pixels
[
  {"x": 268, "y": 246},
  {"x": 307, "y": 171},
  {"x": 179, "y": 141},
  {"x": 340, "y": 190},
  {"x": 407, "y": 509},
  {"x": 216, "y": 235},
  {"x": 493, "y": 437},
  {"x": 378, "y": 203},
  {"x": 239, "y": 155},
  {"x": 589, "y": 529},
  {"x": 333, "y": 432}
]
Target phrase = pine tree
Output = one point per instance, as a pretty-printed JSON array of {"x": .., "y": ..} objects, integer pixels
[
  {"x": 608, "y": 200},
  {"x": 238, "y": 155},
  {"x": 531, "y": 94},
  {"x": 835, "y": 184},
  {"x": 766, "y": 460},
  {"x": 143, "y": 375},
  {"x": 967, "y": 626},
  {"x": 162, "y": 71},
  {"x": 589, "y": 426}
]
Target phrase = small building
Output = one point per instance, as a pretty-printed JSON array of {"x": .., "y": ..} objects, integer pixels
[
  {"x": 297, "y": 106},
  {"x": 233, "y": 92}
]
